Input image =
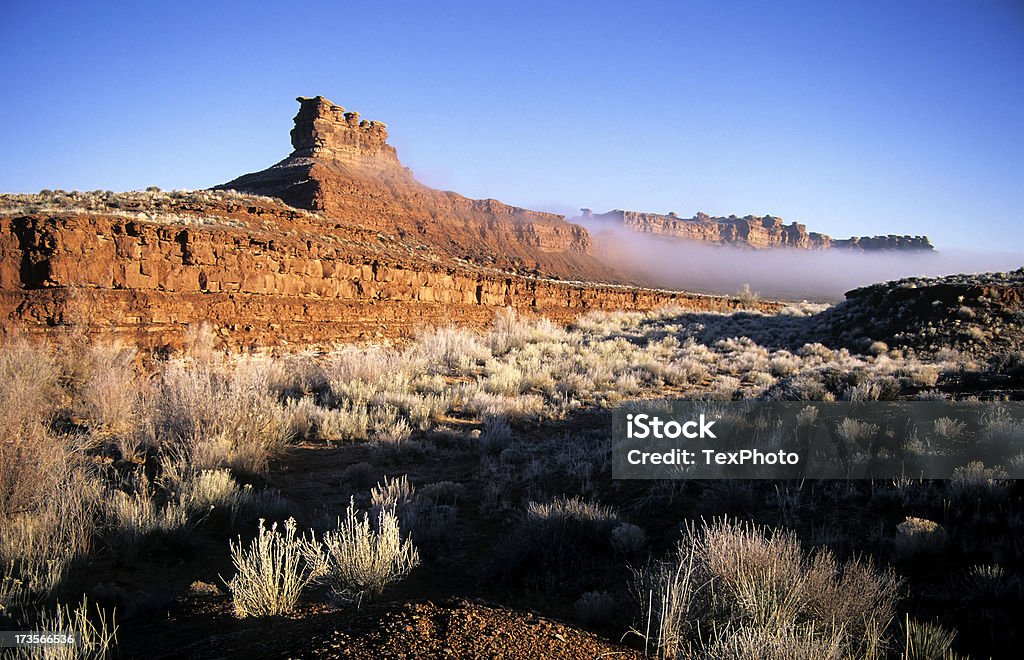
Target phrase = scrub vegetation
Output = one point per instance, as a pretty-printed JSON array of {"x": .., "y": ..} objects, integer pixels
[{"x": 113, "y": 461}]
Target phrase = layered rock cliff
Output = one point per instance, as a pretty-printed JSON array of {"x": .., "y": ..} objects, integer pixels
[
  {"x": 749, "y": 231},
  {"x": 342, "y": 166},
  {"x": 147, "y": 266}
]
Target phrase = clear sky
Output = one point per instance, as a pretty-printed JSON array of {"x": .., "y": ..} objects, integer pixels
[{"x": 854, "y": 118}]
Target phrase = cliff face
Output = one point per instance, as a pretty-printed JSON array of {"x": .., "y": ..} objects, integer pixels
[
  {"x": 146, "y": 266},
  {"x": 343, "y": 167},
  {"x": 750, "y": 231}
]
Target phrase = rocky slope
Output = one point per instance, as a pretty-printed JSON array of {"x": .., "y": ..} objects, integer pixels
[
  {"x": 147, "y": 266},
  {"x": 981, "y": 314},
  {"x": 748, "y": 231}
]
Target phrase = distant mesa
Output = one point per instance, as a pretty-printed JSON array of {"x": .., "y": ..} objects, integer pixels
[{"x": 759, "y": 232}]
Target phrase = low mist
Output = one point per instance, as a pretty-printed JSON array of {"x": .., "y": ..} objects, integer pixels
[{"x": 786, "y": 273}]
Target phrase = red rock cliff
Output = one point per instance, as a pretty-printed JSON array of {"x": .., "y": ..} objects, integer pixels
[
  {"x": 342, "y": 166},
  {"x": 146, "y": 266}
]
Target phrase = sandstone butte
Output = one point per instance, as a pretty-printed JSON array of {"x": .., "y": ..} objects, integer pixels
[{"x": 337, "y": 242}]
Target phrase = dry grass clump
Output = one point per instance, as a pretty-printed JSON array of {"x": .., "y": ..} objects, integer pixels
[
  {"x": 48, "y": 493},
  {"x": 75, "y": 417},
  {"x": 39, "y": 544},
  {"x": 95, "y": 638},
  {"x": 112, "y": 393},
  {"x": 130, "y": 517},
  {"x": 496, "y": 434},
  {"x": 271, "y": 572},
  {"x": 754, "y": 589},
  {"x": 916, "y": 536},
  {"x": 224, "y": 416},
  {"x": 392, "y": 492},
  {"x": 450, "y": 347},
  {"x": 359, "y": 559},
  {"x": 924, "y": 640},
  {"x": 553, "y": 539}
]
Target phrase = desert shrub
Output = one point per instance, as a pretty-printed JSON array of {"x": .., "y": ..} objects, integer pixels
[
  {"x": 358, "y": 560},
  {"x": 443, "y": 492},
  {"x": 130, "y": 517},
  {"x": 885, "y": 388},
  {"x": 759, "y": 587},
  {"x": 554, "y": 538},
  {"x": 95, "y": 638},
  {"x": 495, "y": 435},
  {"x": 628, "y": 539},
  {"x": 1002, "y": 435},
  {"x": 359, "y": 475},
  {"x": 503, "y": 378},
  {"x": 855, "y": 430},
  {"x": 974, "y": 480},
  {"x": 270, "y": 573},
  {"x": 480, "y": 404},
  {"x": 351, "y": 421},
  {"x": 925, "y": 375},
  {"x": 686, "y": 371},
  {"x": 667, "y": 594},
  {"x": 511, "y": 331},
  {"x": 816, "y": 351},
  {"x": 48, "y": 493},
  {"x": 878, "y": 348},
  {"x": 392, "y": 492},
  {"x": 784, "y": 363},
  {"x": 988, "y": 583},
  {"x": 211, "y": 491},
  {"x": 29, "y": 388},
  {"x": 110, "y": 396},
  {"x": 39, "y": 544},
  {"x": 595, "y": 608},
  {"x": 353, "y": 366},
  {"x": 806, "y": 386},
  {"x": 798, "y": 643},
  {"x": 303, "y": 416},
  {"x": 915, "y": 536},
  {"x": 724, "y": 388},
  {"x": 226, "y": 418},
  {"x": 949, "y": 429},
  {"x": 453, "y": 348},
  {"x": 34, "y": 463},
  {"x": 924, "y": 640}
]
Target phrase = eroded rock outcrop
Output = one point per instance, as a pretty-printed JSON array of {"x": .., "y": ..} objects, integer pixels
[
  {"x": 749, "y": 231},
  {"x": 342, "y": 166}
]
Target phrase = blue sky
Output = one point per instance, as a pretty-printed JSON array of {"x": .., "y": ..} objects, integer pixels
[{"x": 854, "y": 118}]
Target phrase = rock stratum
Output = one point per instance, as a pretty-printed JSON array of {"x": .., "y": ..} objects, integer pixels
[
  {"x": 149, "y": 266},
  {"x": 751, "y": 231}
]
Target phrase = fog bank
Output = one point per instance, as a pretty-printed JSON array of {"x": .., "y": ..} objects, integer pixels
[{"x": 787, "y": 273}]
